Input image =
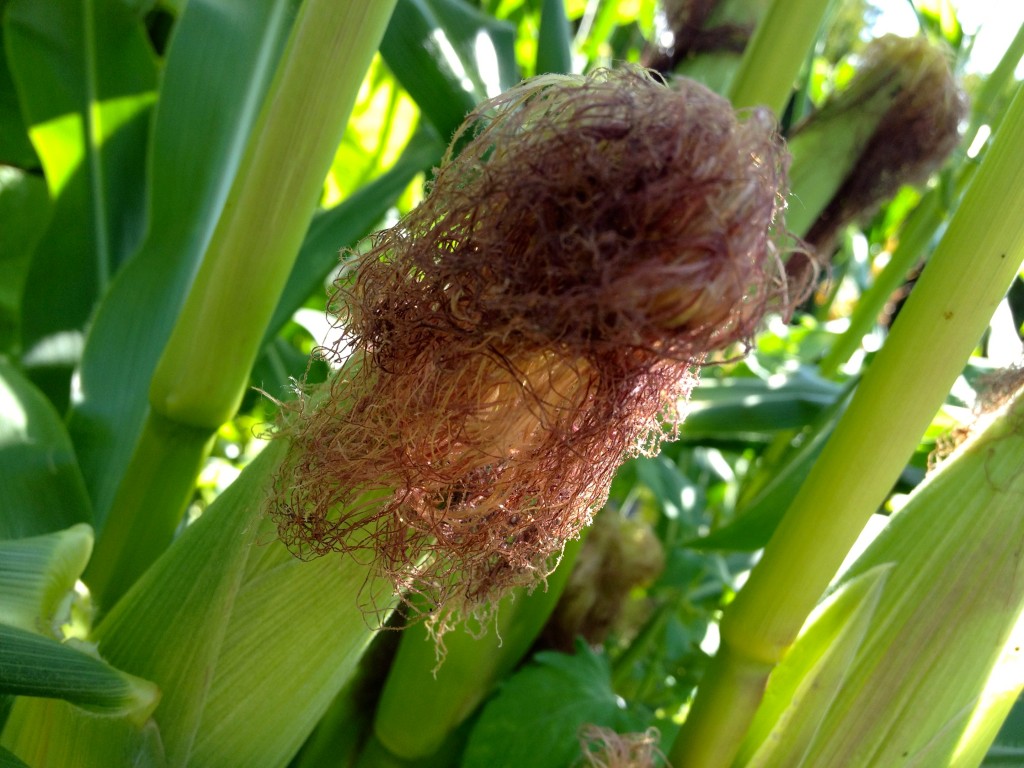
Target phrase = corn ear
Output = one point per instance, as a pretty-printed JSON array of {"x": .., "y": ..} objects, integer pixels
[
  {"x": 893, "y": 124},
  {"x": 941, "y": 663}
]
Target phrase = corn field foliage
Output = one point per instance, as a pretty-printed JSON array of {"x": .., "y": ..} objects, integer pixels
[{"x": 822, "y": 568}]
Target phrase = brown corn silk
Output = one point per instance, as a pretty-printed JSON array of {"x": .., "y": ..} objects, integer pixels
[
  {"x": 605, "y": 748},
  {"x": 538, "y": 319}
]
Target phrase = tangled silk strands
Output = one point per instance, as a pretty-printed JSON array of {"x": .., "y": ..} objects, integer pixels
[
  {"x": 535, "y": 321},
  {"x": 604, "y": 748}
]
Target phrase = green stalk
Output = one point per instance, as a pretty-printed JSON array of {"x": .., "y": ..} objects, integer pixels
[
  {"x": 939, "y": 327},
  {"x": 448, "y": 693},
  {"x": 775, "y": 54},
  {"x": 202, "y": 375},
  {"x": 148, "y": 505}
]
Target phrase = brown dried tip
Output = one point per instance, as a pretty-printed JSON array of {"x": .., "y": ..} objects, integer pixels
[
  {"x": 535, "y": 321},
  {"x": 995, "y": 390}
]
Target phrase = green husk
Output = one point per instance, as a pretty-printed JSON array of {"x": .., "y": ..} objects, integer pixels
[
  {"x": 893, "y": 124},
  {"x": 940, "y": 664},
  {"x": 806, "y": 681}
]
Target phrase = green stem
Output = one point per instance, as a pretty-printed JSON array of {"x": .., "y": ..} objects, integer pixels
[
  {"x": 148, "y": 506},
  {"x": 773, "y": 57},
  {"x": 205, "y": 367},
  {"x": 935, "y": 334},
  {"x": 448, "y": 693},
  {"x": 554, "y": 46},
  {"x": 203, "y": 373}
]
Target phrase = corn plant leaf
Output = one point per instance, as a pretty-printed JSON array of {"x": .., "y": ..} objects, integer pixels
[
  {"x": 383, "y": 121},
  {"x": 751, "y": 407},
  {"x": 808, "y": 677},
  {"x": 15, "y": 148},
  {"x": 1008, "y": 747},
  {"x": 41, "y": 486},
  {"x": 198, "y": 137},
  {"x": 10, "y": 760},
  {"x": 551, "y": 699},
  {"x": 24, "y": 213},
  {"x": 85, "y": 76},
  {"x": 37, "y": 573},
  {"x": 759, "y": 516},
  {"x": 33, "y": 665},
  {"x": 449, "y": 57}
]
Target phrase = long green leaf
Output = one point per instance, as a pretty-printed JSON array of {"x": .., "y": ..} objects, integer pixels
[
  {"x": 33, "y": 665},
  {"x": 760, "y": 515},
  {"x": 15, "y": 148},
  {"x": 752, "y": 407},
  {"x": 86, "y": 78},
  {"x": 24, "y": 215},
  {"x": 41, "y": 486},
  {"x": 449, "y": 57},
  {"x": 10, "y": 760}
]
